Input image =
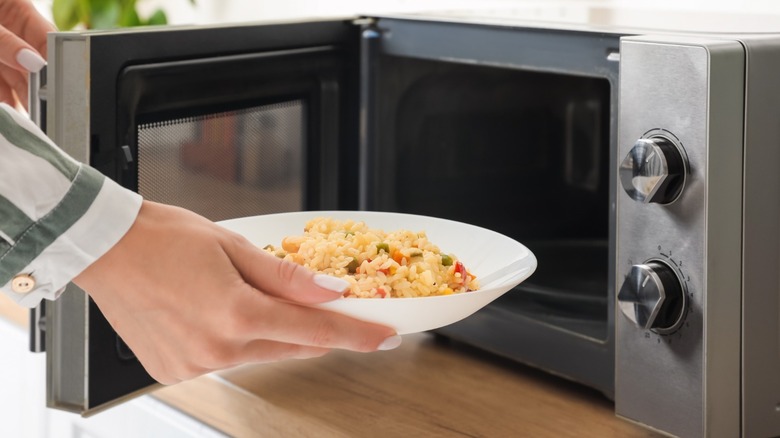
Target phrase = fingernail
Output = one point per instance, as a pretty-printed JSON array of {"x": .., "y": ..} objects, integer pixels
[
  {"x": 390, "y": 343},
  {"x": 331, "y": 283},
  {"x": 30, "y": 60}
]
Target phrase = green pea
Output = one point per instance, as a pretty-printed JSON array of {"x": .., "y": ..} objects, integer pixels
[
  {"x": 352, "y": 266},
  {"x": 382, "y": 247},
  {"x": 446, "y": 260}
]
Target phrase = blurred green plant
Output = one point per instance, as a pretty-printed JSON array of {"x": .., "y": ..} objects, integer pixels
[{"x": 102, "y": 14}]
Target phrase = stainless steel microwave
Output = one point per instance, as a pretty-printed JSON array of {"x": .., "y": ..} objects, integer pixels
[{"x": 633, "y": 151}]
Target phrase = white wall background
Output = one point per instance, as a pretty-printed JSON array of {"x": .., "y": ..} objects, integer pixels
[
  {"x": 225, "y": 11},
  {"x": 222, "y": 11}
]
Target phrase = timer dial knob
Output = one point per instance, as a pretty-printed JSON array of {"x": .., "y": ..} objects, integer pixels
[
  {"x": 654, "y": 171},
  {"x": 653, "y": 297}
]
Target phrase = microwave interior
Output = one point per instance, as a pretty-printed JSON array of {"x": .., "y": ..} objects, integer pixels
[
  {"x": 513, "y": 130},
  {"x": 521, "y": 152}
]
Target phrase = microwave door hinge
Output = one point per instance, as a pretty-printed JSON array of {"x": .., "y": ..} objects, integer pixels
[
  {"x": 364, "y": 21},
  {"x": 37, "y": 109}
]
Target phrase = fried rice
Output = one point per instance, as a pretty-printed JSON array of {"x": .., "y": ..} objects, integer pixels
[{"x": 377, "y": 264}]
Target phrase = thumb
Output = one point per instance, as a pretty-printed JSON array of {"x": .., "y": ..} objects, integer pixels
[
  {"x": 281, "y": 278},
  {"x": 17, "y": 54}
]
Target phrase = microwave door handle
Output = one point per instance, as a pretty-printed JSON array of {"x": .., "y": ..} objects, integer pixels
[
  {"x": 36, "y": 105},
  {"x": 38, "y": 328},
  {"x": 36, "y": 102}
]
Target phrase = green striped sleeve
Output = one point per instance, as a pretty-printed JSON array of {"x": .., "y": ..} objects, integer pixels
[
  {"x": 38, "y": 235},
  {"x": 12, "y": 220},
  {"x": 24, "y": 139}
]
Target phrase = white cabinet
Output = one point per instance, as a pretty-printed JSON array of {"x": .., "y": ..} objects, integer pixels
[
  {"x": 23, "y": 412},
  {"x": 22, "y": 385},
  {"x": 143, "y": 417}
]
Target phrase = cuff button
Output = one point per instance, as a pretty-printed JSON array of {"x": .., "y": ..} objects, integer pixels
[{"x": 23, "y": 283}]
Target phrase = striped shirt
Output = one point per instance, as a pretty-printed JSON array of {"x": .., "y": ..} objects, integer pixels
[{"x": 57, "y": 215}]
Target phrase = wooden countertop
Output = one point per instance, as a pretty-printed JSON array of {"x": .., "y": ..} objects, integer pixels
[{"x": 426, "y": 387}]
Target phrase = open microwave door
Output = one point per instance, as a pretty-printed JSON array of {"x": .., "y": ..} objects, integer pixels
[{"x": 226, "y": 121}]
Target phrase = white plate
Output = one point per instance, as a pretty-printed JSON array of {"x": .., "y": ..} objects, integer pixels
[{"x": 482, "y": 251}]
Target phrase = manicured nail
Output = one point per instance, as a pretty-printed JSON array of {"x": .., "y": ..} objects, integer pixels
[
  {"x": 390, "y": 343},
  {"x": 30, "y": 60},
  {"x": 331, "y": 283}
]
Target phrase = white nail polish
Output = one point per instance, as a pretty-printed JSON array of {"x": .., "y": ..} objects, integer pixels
[
  {"x": 390, "y": 343},
  {"x": 332, "y": 283},
  {"x": 30, "y": 60}
]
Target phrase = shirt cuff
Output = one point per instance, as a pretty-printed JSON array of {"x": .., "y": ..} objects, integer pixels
[{"x": 105, "y": 222}]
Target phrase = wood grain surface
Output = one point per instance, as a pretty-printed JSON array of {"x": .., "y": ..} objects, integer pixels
[{"x": 425, "y": 388}]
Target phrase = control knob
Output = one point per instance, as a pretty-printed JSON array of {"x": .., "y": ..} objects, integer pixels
[
  {"x": 654, "y": 171},
  {"x": 653, "y": 297}
]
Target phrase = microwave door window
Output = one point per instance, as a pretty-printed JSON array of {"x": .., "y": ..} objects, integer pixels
[{"x": 226, "y": 165}]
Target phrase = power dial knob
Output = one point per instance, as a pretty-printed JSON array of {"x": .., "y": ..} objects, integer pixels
[
  {"x": 653, "y": 297},
  {"x": 654, "y": 171}
]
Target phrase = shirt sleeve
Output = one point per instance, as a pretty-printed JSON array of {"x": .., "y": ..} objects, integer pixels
[{"x": 57, "y": 215}]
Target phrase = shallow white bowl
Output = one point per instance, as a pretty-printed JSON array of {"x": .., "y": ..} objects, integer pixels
[{"x": 482, "y": 251}]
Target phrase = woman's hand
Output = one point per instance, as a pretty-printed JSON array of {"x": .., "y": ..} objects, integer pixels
[
  {"x": 22, "y": 48},
  {"x": 189, "y": 297}
]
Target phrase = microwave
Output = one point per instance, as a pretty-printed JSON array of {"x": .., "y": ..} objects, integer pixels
[{"x": 634, "y": 152}]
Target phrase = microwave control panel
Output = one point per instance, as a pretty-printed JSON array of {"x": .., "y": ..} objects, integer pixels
[
  {"x": 654, "y": 293},
  {"x": 678, "y": 228}
]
